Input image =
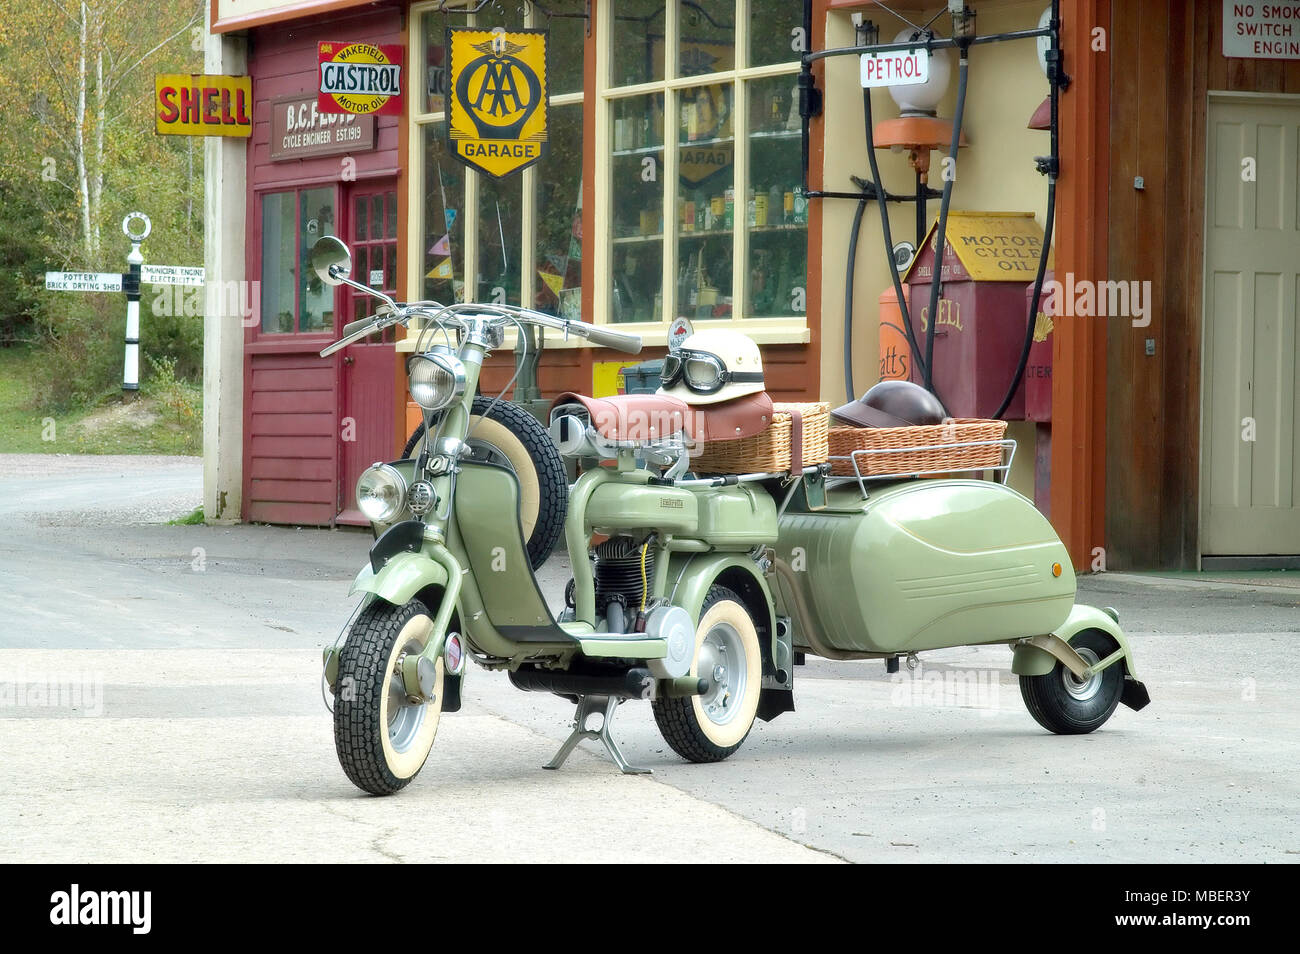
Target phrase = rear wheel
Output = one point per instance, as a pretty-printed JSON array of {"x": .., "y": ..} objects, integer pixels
[
  {"x": 1066, "y": 705},
  {"x": 381, "y": 735},
  {"x": 709, "y": 727},
  {"x": 505, "y": 434}
]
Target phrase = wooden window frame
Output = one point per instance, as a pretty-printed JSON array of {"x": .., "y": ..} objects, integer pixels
[{"x": 764, "y": 330}]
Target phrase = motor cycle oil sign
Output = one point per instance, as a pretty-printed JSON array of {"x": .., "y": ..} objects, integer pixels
[
  {"x": 497, "y": 119},
  {"x": 360, "y": 78}
]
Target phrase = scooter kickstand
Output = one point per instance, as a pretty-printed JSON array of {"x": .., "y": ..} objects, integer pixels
[{"x": 588, "y": 706}]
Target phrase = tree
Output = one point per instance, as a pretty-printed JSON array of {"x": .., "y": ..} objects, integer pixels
[{"x": 77, "y": 77}]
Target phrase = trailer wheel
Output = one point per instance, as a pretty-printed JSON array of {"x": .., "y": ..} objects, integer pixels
[
  {"x": 709, "y": 727},
  {"x": 1065, "y": 705},
  {"x": 511, "y": 437}
]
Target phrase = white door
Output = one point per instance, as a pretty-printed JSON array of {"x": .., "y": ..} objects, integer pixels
[{"x": 1250, "y": 441}]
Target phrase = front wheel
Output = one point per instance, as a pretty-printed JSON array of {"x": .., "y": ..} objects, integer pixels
[
  {"x": 382, "y": 736},
  {"x": 709, "y": 727},
  {"x": 1063, "y": 704}
]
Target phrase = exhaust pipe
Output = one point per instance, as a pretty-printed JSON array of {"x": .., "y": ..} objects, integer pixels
[{"x": 636, "y": 683}]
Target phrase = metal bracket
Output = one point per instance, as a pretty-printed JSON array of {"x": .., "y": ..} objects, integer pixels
[
  {"x": 1063, "y": 651},
  {"x": 588, "y": 706}
]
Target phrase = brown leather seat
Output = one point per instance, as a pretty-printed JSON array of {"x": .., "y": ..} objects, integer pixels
[{"x": 645, "y": 418}]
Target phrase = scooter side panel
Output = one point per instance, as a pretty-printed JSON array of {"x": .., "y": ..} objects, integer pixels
[{"x": 928, "y": 564}]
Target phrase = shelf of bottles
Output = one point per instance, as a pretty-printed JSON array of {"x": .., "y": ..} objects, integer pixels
[{"x": 709, "y": 215}]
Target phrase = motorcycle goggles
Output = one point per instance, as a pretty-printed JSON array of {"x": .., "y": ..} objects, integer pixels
[{"x": 703, "y": 372}]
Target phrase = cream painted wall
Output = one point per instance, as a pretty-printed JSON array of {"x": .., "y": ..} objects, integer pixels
[
  {"x": 994, "y": 173},
  {"x": 224, "y": 198}
]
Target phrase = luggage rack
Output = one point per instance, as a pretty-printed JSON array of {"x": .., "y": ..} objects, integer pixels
[{"x": 1002, "y": 471}]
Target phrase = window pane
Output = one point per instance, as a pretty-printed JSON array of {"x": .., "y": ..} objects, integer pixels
[
  {"x": 772, "y": 31},
  {"x": 500, "y": 239},
  {"x": 315, "y": 298},
  {"x": 559, "y": 217},
  {"x": 566, "y": 51},
  {"x": 444, "y": 221},
  {"x": 776, "y": 213},
  {"x": 434, "y": 88},
  {"x": 708, "y": 37},
  {"x": 638, "y": 200},
  {"x": 279, "y": 261},
  {"x": 707, "y": 207},
  {"x": 638, "y": 39}
]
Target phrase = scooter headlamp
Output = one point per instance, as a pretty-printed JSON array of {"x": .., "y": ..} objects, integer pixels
[
  {"x": 436, "y": 378},
  {"x": 381, "y": 493}
]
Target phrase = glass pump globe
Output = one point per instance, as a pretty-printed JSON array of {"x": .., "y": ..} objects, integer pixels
[{"x": 923, "y": 98}]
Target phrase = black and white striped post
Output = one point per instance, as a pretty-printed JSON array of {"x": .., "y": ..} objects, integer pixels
[{"x": 136, "y": 226}]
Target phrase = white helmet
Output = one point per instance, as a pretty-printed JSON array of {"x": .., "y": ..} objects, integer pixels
[{"x": 713, "y": 366}]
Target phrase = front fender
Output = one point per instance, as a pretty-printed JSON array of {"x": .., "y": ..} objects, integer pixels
[
  {"x": 1032, "y": 661},
  {"x": 404, "y": 575}
]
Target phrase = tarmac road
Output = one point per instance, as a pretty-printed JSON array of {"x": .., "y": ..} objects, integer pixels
[{"x": 191, "y": 724}]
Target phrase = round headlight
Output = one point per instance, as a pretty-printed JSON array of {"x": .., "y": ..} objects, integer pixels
[
  {"x": 437, "y": 378},
  {"x": 381, "y": 493}
]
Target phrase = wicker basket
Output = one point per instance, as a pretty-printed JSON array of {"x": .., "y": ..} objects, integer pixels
[
  {"x": 769, "y": 451},
  {"x": 933, "y": 442}
]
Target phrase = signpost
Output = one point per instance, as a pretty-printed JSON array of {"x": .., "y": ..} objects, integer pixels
[
  {"x": 83, "y": 281},
  {"x": 136, "y": 226}
]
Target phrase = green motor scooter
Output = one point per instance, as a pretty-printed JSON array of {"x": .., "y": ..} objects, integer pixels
[{"x": 703, "y": 591}]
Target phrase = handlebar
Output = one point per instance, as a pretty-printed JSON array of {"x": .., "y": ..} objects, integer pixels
[{"x": 463, "y": 314}]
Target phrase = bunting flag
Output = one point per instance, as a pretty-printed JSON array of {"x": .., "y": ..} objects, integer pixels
[
  {"x": 554, "y": 282},
  {"x": 442, "y": 246},
  {"x": 450, "y": 216},
  {"x": 442, "y": 270}
]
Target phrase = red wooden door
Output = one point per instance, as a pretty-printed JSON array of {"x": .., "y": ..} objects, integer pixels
[{"x": 367, "y": 407}]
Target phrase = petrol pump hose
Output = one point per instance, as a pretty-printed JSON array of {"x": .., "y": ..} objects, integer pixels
[{"x": 1050, "y": 166}]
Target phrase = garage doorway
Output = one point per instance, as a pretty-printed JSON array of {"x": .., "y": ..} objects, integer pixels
[
  {"x": 1250, "y": 410},
  {"x": 367, "y": 399}
]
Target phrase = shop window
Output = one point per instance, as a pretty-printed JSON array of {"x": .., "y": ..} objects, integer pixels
[
  {"x": 519, "y": 237},
  {"x": 715, "y": 228},
  {"x": 293, "y": 298}
]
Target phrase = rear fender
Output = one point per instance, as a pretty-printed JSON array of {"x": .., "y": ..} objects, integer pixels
[
  {"x": 690, "y": 577},
  {"x": 1039, "y": 656}
]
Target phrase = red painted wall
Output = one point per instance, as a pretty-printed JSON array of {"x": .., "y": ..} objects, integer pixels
[{"x": 291, "y": 399}]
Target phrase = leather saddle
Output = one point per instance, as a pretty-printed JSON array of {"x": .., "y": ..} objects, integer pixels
[{"x": 650, "y": 418}]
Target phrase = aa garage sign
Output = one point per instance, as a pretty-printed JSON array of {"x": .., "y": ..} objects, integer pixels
[
  {"x": 497, "y": 114},
  {"x": 360, "y": 78}
]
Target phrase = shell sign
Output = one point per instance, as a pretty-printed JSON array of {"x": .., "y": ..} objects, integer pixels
[
  {"x": 497, "y": 118},
  {"x": 360, "y": 78}
]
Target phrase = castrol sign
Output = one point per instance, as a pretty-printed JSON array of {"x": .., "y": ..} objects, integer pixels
[
  {"x": 360, "y": 78},
  {"x": 898, "y": 68}
]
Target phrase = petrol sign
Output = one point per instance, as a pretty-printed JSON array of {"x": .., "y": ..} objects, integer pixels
[{"x": 899, "y": 68}]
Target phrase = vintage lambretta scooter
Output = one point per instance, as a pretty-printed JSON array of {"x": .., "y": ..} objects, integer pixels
[{"x": 703, "y": 593}]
